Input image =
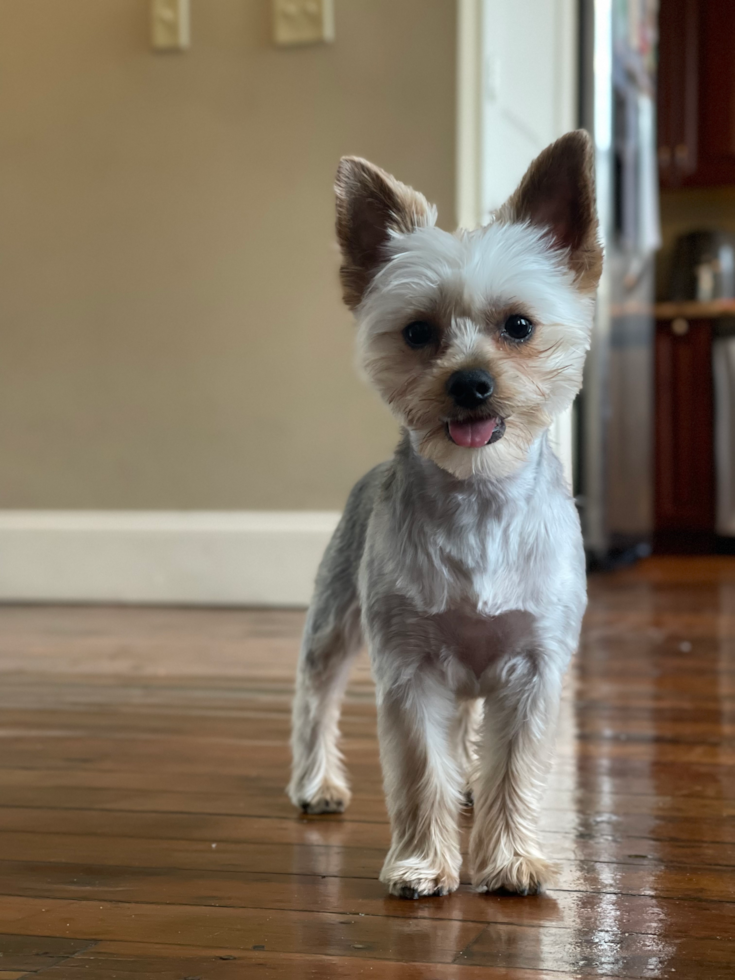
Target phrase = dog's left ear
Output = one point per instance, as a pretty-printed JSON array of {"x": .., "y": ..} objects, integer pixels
[
  {"x": 557, "y": 193},
  {"x": 370, "y": 205}
]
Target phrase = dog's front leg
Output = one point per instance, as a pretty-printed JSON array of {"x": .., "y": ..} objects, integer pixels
[
  {"x": 515, "y": 751},
  {"x": 423, "y": 785}
]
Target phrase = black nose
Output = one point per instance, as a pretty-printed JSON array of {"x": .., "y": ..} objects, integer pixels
[{"x": 468, "y": 389}]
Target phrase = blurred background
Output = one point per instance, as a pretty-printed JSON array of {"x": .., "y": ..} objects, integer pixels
[{"x": 180, "y": 418}]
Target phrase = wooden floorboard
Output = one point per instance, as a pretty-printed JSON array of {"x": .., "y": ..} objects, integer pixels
[{"x": 144, "y": 829}]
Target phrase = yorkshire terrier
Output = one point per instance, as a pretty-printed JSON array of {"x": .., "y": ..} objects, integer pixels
[{"x": 460, "y": 561}]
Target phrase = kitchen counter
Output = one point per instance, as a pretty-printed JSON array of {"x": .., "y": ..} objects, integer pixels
[
  {"x": 692, "y": 310},
  {"x": 689, "y": 309}
]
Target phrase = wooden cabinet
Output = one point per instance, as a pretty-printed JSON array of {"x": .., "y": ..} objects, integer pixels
[
  {"x": 685, "y": 467},
  {"x": 696, "y": 93}
]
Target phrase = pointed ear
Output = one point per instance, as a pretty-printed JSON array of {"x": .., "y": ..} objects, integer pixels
[
  {"x": 371, "y": 204},
  {"x": 557, "y": 193}
]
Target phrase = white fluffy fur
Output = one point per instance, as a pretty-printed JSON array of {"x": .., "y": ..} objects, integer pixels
[{"x": 502, "y": 264}]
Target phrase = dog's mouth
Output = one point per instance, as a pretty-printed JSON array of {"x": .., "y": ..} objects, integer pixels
[{"x": 474, "y": 433}]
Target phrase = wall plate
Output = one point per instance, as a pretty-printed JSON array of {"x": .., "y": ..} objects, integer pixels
[
  {"x": 170, "y": 25},
  {"x": 303, "y": 21}
]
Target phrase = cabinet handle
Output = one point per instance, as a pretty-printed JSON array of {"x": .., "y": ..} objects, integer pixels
[
  {"x": 681, "y": 154},
  {"x": 680, "y": 326}
]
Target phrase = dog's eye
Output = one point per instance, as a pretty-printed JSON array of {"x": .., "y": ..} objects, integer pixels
[
  {"x": 518, "y": 327},
  {"x": 418, "y": 334}
]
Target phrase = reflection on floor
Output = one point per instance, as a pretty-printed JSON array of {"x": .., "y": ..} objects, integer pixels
[{"x": 144, "y": 830}]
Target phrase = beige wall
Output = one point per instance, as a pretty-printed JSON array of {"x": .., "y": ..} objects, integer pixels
[{"x": 172, "y": 335}]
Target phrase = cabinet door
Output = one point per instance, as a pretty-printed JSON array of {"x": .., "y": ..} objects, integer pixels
[
  {"x": 716, "y": 151},
  {"x": 678, "y": 90},
  {"x": 696, "y": 93},
  {"x": 684, "y": 497}
]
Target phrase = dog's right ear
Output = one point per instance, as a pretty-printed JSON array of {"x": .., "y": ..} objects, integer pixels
[{"x": 370, "y": 205}]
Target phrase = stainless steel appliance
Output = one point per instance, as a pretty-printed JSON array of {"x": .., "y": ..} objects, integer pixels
[
  {"x": 704, "y": 266},
  {"x": 615, "y": 411},
  {"x": 723, "y": 364}
]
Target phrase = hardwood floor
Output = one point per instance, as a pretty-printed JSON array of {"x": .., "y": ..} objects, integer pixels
[{"x": 144, "y": 831}]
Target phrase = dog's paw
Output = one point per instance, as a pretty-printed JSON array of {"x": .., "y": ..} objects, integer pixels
[
  {"x": 326, "y": 798},
  {"x": 325, "y": 803},
  {"x": 520, "y": 875},
  {"x": 415, "y": 879}
]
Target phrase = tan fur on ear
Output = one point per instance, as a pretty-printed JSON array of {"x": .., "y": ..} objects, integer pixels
[
  {"x": 371, "y": 203},
  {"x": 558, "y": 193}
]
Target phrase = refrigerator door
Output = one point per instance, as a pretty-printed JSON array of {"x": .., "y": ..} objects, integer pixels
[
  {"x": 723, "y": 354},
  {"x": 616, "y": 409}
]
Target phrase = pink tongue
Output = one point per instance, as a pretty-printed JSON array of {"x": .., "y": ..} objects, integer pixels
[{"x": 472, "y": 434}]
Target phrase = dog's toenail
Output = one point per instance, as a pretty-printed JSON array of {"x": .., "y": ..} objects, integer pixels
[{"x": 408, "y": 892}]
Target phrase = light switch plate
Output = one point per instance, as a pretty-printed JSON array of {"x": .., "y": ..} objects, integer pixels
[
  {"x": 170, "y": 21},
  {"x": 303, "y": 21}
]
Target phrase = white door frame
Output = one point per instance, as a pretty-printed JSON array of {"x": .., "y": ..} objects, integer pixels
[{"x": 472, "y": 59}]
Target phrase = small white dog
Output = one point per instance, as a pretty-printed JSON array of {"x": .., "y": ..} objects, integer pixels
[{"x": 460, "y": 561}]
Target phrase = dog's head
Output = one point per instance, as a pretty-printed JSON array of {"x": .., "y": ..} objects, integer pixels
[{"x": 475, "y": 340}]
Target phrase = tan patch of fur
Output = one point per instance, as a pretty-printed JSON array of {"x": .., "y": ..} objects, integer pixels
[
  {"x": 371, "y": 203},
  {"x": 414, "y": 384},
  {"x": 494, "y": 315},
  {"x": 558, "y": 192}
]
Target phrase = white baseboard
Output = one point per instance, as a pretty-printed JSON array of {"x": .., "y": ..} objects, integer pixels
[{"x": 249, "y": 558}]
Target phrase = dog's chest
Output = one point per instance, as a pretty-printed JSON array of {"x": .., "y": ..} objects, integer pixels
[
  {"x": 473, "y": 601},
  {"x": 477, "y": 571},
  {"x": 477, "y": 640},
  {"x": 467, "y": 580},
  {"x": 483, "y": 588}
]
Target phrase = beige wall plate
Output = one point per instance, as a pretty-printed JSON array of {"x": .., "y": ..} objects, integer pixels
[
  {"x": 170, "y": 25},
  {"x": 303, "y": 21}
]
